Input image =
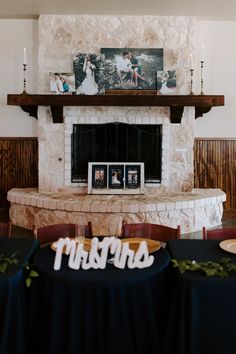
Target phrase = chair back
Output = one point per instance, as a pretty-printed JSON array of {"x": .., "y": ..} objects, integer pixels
[
  {"x": 220, "y": 234},
  {"x": 5, "y": 229},
  {"x": 152, "y": 231},
  {"x": 52, "y": 233}
]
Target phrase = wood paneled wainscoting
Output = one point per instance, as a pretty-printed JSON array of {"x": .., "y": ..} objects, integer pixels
[
  {"x": 18, "y": 166},
  {"x": 215, "y": 166}
]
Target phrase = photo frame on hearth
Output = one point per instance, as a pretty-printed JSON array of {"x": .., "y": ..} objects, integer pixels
[
  {"x": 133, "y": 176},
  {"x": 99, "y": 176},
  {"x": 132, "y": 68},
  {"x": 115, "y": 178}
]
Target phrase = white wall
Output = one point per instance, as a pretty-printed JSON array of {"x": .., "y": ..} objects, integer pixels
[
  {"x": 219, "y": 75},
  {"x": 14, "y": 36}
]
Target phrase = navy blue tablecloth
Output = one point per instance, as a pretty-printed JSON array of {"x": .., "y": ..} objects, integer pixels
[
  {"x": 202, "y": 318},
  {"x": 108, "y": 311},
  {"x": 13, "y": 297}
]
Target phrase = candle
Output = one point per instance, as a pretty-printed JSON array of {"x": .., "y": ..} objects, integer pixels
[
  {"x": 203, "y": 52},
  {"x": 24, "y": 56},
  {"x": 191, "y": 60}
]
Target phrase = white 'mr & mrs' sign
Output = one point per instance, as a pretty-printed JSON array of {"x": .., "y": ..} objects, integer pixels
[{"x": 97, "y": 257}]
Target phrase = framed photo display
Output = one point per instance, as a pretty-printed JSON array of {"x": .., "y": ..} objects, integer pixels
[
  {"x": 115, "y": 178},
  {"x": 99, "y": 176}
]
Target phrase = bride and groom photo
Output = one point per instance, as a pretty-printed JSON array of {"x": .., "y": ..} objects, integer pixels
[
  {"x": 132, "y": 68},
  {"x": 117, "y": 69}
]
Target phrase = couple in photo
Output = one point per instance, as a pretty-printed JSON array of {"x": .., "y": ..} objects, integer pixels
[
  {"x": 129, "y": 69},
  {"x": 60, "y": 84}
]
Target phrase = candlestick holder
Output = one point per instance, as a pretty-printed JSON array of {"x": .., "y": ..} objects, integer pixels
[
  {"x": 24, "y": 79},
  {"x": 202, "y": 64},
  {"x": 191, "y": 81}
]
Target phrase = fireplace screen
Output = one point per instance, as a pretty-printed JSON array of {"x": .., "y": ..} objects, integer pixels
[{"x": 116, "y": 142}]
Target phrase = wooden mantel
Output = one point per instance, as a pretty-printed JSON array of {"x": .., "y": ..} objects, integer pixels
[{"x": 202, "y": 103}]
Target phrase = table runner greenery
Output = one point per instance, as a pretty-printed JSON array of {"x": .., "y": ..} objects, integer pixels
[
  {"x": 221, "y": 268},
  {"x": 28, "y": 269}
]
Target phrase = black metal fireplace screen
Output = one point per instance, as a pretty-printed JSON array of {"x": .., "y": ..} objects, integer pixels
[{"x": 116, "y": 142}]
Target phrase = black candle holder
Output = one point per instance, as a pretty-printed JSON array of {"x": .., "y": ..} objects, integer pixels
[
  {"x": 202, "y": 64},
  {"x": 24, "y": 79},
  {"x": 191, "y": 81}
]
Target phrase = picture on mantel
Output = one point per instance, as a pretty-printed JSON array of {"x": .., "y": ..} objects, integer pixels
[
  {"x": 62, "y": 83},
  {"x": 166, "y": 82},
  {"x": 88, "y": 69},
  {"x": 132, "y": 68}
]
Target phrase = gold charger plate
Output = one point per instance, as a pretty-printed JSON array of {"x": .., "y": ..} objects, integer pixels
[
  {"x": 228, "y": 245},
  {"x": 134, "y": 243},
  {"x": 86, "y": 242}
]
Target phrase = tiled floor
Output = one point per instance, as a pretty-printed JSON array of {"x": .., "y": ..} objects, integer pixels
[{"x": 229, "y": 219}]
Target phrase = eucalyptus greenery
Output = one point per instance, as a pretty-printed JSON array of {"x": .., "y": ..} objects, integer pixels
[
  {"x": 28, "y": 270},
  {"x": 5, "y": 262},
  {"x": 221, "y": 268}
]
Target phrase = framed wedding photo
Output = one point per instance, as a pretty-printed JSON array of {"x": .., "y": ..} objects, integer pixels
[
  {"x": 62, "y": 83},
  {"x": 166, "y": 82},
  {"x": 132, "y": 68},
  {"x": 99, "y": 176},
  {"x": 132, "y": 176},
  {"x": 116, "y": 176},
  {"x": 88, "y": 69}
]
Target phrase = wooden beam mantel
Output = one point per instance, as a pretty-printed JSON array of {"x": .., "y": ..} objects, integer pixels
[{"x": 202, "y": 103}]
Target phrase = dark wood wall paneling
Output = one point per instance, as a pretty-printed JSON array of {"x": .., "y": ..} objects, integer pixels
[
  {"x": 18, "y": 166},
  {"x": 215, "y": 166}
]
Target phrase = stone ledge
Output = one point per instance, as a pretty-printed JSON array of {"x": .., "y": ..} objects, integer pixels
[
  {"x": 116, "y": 203},
  {"x": 202, "y": 207}
]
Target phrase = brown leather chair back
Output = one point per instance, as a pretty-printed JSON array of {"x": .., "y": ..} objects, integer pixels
[
  {"x": 5, "y": 229},
  {"x": 52, "y": 233},
  {"x": 220, "y": 234},
  {"x": 152, "y": 231}
]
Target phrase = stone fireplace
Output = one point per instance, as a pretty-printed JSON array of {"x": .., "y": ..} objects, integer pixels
[{"x": 170, "y": 201}]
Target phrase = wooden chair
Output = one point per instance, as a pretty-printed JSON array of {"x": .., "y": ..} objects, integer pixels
[
  {"x": 5, "y": 229},
  {"x": 221, "y": 234},
  {"x": 52, "y": 233},
  {"x": 152, "y": 231}
]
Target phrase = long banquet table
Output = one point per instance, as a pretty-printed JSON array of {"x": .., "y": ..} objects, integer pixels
[
  {"x": 202, "y": 311},
  {"x": 13, "y": 295},
  {"x": 108, "y": 311}
]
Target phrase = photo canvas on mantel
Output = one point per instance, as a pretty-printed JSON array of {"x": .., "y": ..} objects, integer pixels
[
  {"x": 166, "y": 82},
  {"x": 62, "y": 83},
  {"x": 132, "y": 68},
  {"x": 89, "y": 69}
]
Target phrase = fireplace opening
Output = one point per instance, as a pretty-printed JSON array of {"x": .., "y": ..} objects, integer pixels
[{"x": 116, "y": 142}]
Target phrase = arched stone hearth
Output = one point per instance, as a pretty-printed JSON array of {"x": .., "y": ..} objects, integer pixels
[{"x": 193, "y": 210}]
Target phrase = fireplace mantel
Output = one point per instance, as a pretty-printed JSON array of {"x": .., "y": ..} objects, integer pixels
[{"x": 202, "y": 103}]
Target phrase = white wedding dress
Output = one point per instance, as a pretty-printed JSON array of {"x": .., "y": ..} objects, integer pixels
[
  {"x": 165, "y": 90},
  {"x": 88, "y": 86}
]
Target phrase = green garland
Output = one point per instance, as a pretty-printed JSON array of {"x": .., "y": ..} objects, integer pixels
[
  {"x": 28, "y": 271},
  {"x": 221, "y": 268}
]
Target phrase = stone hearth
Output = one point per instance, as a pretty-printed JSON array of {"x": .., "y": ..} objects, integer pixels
[{"x": 191, "y": 210}]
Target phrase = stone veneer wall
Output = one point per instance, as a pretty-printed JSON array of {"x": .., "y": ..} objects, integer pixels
[{"x": 61, "y": 36}]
